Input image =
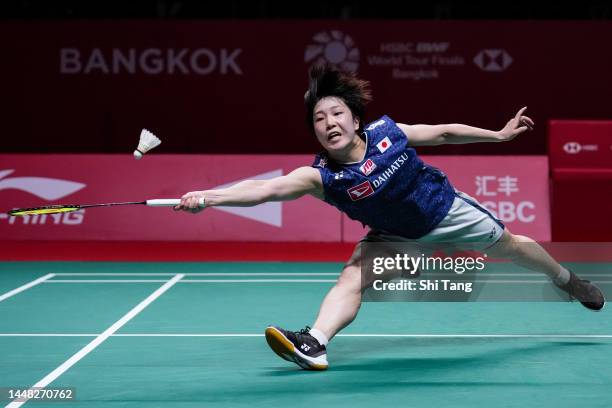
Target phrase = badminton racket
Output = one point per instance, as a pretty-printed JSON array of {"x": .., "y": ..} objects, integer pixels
[{"x": 61, "y": 208}]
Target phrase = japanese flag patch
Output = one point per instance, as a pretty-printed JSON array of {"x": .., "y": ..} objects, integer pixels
[{"x": 384, "y": 144}]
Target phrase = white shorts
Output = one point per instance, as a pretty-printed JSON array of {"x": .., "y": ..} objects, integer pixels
[{"x": 467, "y": 222}]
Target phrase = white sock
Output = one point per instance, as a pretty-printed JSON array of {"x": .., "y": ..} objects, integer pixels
[
  {"x": 563, "y": 277},
  {"x": 318, "y": 334}
]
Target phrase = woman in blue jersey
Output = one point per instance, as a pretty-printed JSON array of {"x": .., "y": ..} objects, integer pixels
[{"x": 373, "y": 174}]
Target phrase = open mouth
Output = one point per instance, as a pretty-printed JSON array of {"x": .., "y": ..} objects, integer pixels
[{"x": 333, "y": 136}]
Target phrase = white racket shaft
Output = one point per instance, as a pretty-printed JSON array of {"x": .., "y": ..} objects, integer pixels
[{"x": 170, "y": 202}]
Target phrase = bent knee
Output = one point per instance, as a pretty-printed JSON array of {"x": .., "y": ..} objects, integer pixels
[{"x": 510, "y": 244}]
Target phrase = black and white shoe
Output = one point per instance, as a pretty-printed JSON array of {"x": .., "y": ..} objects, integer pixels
[
  {"x": 585, "y": 292},
  {"x": 299, "y": 347}
]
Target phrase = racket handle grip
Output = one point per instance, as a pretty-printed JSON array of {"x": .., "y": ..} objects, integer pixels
[{"x": 170, "y": 202}]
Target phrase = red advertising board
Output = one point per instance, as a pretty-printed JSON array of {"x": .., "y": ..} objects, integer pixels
[
  {"x": 515, "y": 188},
  {"x": 237, "y": 86},
  {"x": 581, "y": 163},
  {"x": 576, "y": 145}
]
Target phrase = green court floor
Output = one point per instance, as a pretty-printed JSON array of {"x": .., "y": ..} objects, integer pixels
[{"x": 191, "y": 335}]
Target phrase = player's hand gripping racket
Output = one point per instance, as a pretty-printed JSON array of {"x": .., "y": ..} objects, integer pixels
[{"x": 60, "y": 208}]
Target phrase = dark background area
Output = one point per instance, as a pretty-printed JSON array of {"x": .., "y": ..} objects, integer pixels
[
  {"x": 275, "y": 9},
  {"x": 112, "y": 129}
]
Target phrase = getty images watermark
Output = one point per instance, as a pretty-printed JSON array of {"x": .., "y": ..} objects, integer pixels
[
  {"x": 459, "y": 272},
  {"x": 408, "y": 267}
]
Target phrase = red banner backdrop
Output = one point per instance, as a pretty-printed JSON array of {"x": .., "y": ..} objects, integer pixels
[
  {"x": 581, "y": 162},
  {"x": 514, "y": 188},
  {"x": 237, "y": 86}
]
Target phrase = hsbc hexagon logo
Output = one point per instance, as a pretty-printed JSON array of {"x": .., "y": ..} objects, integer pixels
[
  {"x": 333, "y": 47},
  {"x": 575, "y": 148},
  {"x": 493, "y": 60},
  {"x": 572, "y": 148}
]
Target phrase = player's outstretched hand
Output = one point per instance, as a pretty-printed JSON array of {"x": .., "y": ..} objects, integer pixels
[
  {"x": 517, "y": 125},
  {"x": 191, "y": 202}
]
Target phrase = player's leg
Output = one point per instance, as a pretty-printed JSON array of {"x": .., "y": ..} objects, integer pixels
[
  {"x": 342, "y": 302},
  {"x": 527, "y": 253},
  {"x": 307, "y": 347},
  {"x": 469, "y": 223}
]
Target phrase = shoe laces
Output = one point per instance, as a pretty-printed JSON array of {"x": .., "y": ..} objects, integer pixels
[{"x": 305, "y": 330}]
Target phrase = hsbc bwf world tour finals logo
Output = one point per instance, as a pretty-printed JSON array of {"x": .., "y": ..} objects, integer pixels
[{"x": 335, "y": 48}]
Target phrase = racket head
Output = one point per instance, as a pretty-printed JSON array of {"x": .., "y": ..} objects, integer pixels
[{"x": 49, "y": 209}]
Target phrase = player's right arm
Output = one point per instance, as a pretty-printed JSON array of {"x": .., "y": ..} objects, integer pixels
[
  {"x": 301, "y": 181},
  {"x": 433, "y": 135}
]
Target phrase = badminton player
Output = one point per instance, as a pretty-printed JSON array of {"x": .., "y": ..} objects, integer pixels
[{"x": 373, "y": 174}]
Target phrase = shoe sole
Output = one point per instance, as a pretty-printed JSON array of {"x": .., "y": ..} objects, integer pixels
[{"x": 286, "y": 350}]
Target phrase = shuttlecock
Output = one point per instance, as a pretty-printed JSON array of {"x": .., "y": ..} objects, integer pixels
[{"x": 147, "y": 142}]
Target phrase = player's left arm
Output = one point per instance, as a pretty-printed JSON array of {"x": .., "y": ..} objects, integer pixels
[{"x": 432, "y": 135}]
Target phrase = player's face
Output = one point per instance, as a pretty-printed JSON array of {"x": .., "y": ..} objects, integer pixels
[{"x": 334, "y": 123}]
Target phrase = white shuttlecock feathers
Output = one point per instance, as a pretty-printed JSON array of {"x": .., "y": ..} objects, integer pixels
[{"x": 147, "y": 142}]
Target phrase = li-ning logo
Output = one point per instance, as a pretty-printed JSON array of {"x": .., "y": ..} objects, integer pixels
[
  {"x": 368, "y": 167},
  {"x": 47, "y": 189},
  {"x": 493, "y": 60},
  {"x": 333, "y": 47},
  {"x": 43, "y": 187},
  {"x": 360, "y": 191}
]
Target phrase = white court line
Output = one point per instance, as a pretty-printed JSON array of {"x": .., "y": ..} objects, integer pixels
[
  {"x": 431, "y": 274},
  {"x": 230, "y": 335},
  {"x": 387, "y": 335},
  {"x": 106, "y": 281},
  {"x": 204, "y": 274},
  {"x": 192, "y": 281},
  {"x": 49, "y": 334},
  {"x": 274, "y": 281},
  {"x": 506, "y": 275},
  {"x": 52, "y": 376},
  {"x": 26, "y": 286}
]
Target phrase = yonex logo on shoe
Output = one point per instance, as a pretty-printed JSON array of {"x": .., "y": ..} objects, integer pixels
[{"x": 305, "y": 347}]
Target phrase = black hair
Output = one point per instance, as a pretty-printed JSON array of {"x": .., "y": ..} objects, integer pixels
[{"x": 326, "y": 80}]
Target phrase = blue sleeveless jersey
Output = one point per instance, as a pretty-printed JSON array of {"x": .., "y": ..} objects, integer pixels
[{"x": 391, "y": 189}]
